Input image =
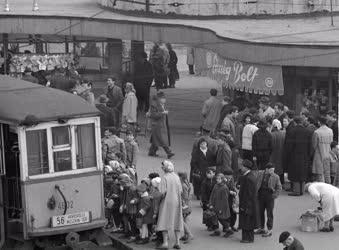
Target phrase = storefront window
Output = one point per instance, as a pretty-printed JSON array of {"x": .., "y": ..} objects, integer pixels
[
  {"x": 85, "y": 146},
  {"x": 37, "y": 152}
]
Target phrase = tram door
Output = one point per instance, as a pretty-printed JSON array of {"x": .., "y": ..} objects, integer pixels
[{"x": 11, "y": 184}]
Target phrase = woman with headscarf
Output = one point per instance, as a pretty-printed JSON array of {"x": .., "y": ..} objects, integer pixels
[
  {"x": 170, "y": 211},
  {"x": 328, "y": 198},
  {"x": 278, "y": 140}
]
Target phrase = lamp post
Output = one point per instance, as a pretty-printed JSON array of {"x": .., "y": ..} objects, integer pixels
[
  {"x": 332, "y": 23},
  {"x": 6, "y": 9},
  {"x": 35, "y": 5}
]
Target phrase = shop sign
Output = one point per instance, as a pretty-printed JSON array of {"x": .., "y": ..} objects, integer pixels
[{"x": 253, "y": 78}]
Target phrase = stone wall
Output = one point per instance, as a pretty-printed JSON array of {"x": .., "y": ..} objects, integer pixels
[{"x": 224, "y": 7}]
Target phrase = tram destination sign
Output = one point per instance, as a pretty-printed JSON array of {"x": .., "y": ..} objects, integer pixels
[{"x": 71, "y": 219}]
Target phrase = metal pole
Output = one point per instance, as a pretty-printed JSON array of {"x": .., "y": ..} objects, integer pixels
[
  {"x": 5, "y": 43},
  {"x": 332, "y": 24},
  {"x": 6, "y": 9}
]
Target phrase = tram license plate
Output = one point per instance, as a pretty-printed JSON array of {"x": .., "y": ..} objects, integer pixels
[{"x": 71, "y": 219}]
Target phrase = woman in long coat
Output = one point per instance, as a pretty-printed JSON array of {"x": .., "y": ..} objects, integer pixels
[
  {"x": 160, "y": 134},
  {"x": 278, "y": 140},
  {"x": 202, "y": 159},
  {"x": 300, "y": 155},
  {"x": 248, "y": 202},
  {"x": 328, "y": 197},
  {"x": 170, "y": 211}
]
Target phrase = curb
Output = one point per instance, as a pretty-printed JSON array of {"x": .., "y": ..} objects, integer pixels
[{"x": 118, "y": 243}]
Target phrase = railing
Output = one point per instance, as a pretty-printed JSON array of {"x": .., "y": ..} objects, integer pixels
[{"x": 222, "y": 7}]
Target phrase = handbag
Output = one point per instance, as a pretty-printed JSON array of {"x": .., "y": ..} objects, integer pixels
[{"x": 209, "y": 217}]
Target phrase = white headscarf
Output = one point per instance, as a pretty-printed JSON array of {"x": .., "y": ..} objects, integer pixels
[
  {"x": 156, "y": 181},
  {"x": 168, "y": 166},
  {"x": 276, "y": 124}
]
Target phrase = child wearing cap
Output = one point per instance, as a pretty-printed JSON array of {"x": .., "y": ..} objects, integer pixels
[
  {"x": 289, "y": 242},
  {"x": 229, "y": 179},
  {"x": 268, "y": 192},
  {"x": 144, "y": 213},
  {"x": 219, "y": 203}
]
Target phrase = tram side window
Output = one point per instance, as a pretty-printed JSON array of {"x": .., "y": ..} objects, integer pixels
[
  {"x": 62, "y": 153},
  {"x": 37, "y": 152},
  {"x": 85, "y": 146}
]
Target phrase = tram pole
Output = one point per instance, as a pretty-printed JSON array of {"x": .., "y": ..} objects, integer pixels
[
  {"x": 332, "y": 23},
  {"x": 5, "y": 45},
  {"x": 35, "y": 5}
]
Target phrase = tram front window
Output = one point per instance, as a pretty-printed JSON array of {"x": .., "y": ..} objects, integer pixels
[
  {"x": 37, "y": 152},
  {"x": 62, "y": 149}
]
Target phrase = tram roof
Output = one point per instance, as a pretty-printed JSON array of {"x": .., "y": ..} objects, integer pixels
[{"x": 19, "y": 98}]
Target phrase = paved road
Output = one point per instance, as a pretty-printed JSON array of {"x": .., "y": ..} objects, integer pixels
[{"x": 184, "y": 104}]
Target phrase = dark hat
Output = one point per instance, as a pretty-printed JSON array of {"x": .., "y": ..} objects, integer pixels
[
  {"x": 142, "y": 188},
  {"x": 228, "y": 171},
  {"x": 262, "y": 123},
  {"x": 161, "y": 94},
  {"x": 284, "y": 236},
  {"x": 211, "y": 169},
  {"x": 269, "y": 165},
  {"x": 247, "y": 164},
  {"x": 264, "y": 100}
]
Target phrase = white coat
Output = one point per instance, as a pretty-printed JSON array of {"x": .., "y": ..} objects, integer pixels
[{"x": 328, "y": 196}]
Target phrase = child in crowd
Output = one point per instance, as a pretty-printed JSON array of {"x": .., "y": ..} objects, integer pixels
[
  {"x": 156, "y": 197},
  {"x": 231, "y": 199},
  {"x": 219, "y": 203},
  {"x": 186, "y": 206},
  {"x": 145, "y": 213},
  {"x": 207, "y": 186},
  {"x": 334, "y": 158},
  {"x": 131, "y": 150},
  {"x": 129, "y": 207},
  {"x": 206, "y": 189},
  {"x": 268, "y": 192}
]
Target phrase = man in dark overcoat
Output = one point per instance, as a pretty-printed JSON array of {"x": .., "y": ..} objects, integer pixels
[
  {"x": 262, "y": 144},
  {"x": 300, "y": 156},
  {"x": 160, "y": 133},
  {"x": 143, "y": 78},
  {"x": 115, "y": 99},
  {"x": 248, "y": 202}
]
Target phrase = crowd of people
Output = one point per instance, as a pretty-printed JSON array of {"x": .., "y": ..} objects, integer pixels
[{"x": 275, "y": 144}]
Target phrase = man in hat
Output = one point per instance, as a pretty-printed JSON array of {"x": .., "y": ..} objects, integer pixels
[
  {"x": 262, "y": 144},
  {"x": 289, "y": 242},
  {"x": 268, "y": 192},
  {"x": 115, "y": 99},
  {"x": 106, "y": 115},
  {"x": 264, "y": 108},
  {"x": 248, "y": 203},
  {"x": 112, "y": 145},
  {"x": 300, "y": 156},
  {"x": 143, "y": 78},
  {"x": 211, "y": 112},
  {"x": 226, "y": 105},
  {"x": 160, "y": 133}
]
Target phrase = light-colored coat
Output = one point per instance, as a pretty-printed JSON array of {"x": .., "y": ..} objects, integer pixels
[
  {"x": 321, "y": 142},
  {"x": 211, "y": 113},
  {"x": 190, "y": 56},
  {"x": 328, "y": 196},
  {"x": 129, "y": 108},
  {"x": 170, "y": 212}
]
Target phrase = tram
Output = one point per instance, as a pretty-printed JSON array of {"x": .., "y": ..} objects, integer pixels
[{"x": 51, "y": 185}]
